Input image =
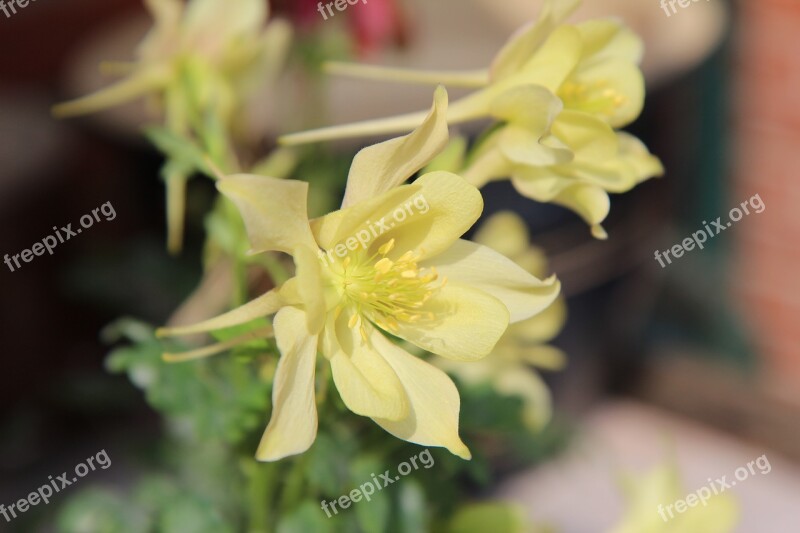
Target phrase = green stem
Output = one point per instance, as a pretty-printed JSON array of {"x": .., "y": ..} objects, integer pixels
[
  {"x": 293, "y": 487},
  {"x": 261, "y": 495}
]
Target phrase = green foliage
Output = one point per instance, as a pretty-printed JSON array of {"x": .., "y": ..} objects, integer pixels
[
  {"x": 221, "y": 398},
  {"x": 495, "y": 517}
]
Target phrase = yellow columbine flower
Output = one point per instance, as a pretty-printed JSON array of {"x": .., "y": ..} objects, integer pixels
[
  {"x": 201, "y": 59},
  {"x": 389, "y": 262},
  {"x": 522, "y": 346},
  {"x": 592, "y": 67},
  {"x": 558, "y": 155},
  {"x": 224, "y": 44},
  {"x": 648, "y": 495}
]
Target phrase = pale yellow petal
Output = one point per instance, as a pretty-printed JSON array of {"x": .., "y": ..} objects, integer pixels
[
  {"x": 274, "y": 211},
  {"x": 552, "y": 64},
  {"x": 543, "y": 326},
  {"x": 434, "y": 401},
  {"x": 209, "y": 23},
  {"x": 310, "y": 287},
  {"x": 590, "y": 202},
  {"x": 614, "y": 90},
  {"x": 166, "y": 19},
  {"x": 522, "y": 45},
  {"x": 521, "y": 147},
  {"x": 137, "y": 85},
  {"x": 264, "y": 305},
  {"x": 425, "y": 217},
  {"x": 445, "y": 208},
  {"x": 365, "y": 381},
  {"x": 293, "y": 425},
  {"x": 217, "y": 348},
  {"x": 379, "y": 168},
  {"x": 466, "y": 323},
  {"x": 484, "y": 269},
  {"x": 544, "y": 356},
  {"x": 641, "y": 164},
  {"x": 589, "y": 137},
  {"x": 530, "y": 106},
  {"x": 338, "y": 226},
  {"x": 504, "y": 232},
  {"x": 605, "y": 39},
  {"x": 558, "y": 185},
  {"x": 528, "y": 385}
]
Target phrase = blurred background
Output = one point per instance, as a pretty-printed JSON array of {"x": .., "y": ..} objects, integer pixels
[{"x": 698, "y": 361}]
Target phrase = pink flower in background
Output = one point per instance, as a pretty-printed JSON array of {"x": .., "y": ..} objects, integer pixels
[
  {"x": 374, "y": 24},
  {"x": 378, "y": 23}
]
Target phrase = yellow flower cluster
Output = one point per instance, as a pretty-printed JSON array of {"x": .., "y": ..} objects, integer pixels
[
  {"x": 418, "y": 281},
  {"x": 558, "y": 92}
]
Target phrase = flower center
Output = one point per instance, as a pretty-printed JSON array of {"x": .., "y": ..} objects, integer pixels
[
  {"x": 383, "y": 291},
  {"x": 594, "y": 97}
]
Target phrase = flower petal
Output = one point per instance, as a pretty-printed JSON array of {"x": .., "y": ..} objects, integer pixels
[
  {"x": 367, "y": 384},
  {"x": 590, "y": 202},
  {"x": 275, "y": 211},
  {"x": 130, "y": 88},
  {"x": 335, "y": 228},
  {"x": 605, "y": 39},
  {"x": 519, "y": 49},
  {"x": 310, "y": 287},
  {"x": 532, "y": 106},
  {"x": 434, "y": 401},
  {"x": 443, "y": 210},
  {"x": 615, "y": 77},
  {"x": 466, "y": 326},
  {"x": 426, "y": 217},
  {"x": 519, "y": 381},
  {"x": 542, "y": 327},
  {"x": 591, "y": 138},
  {"x": 504, "y": 232},
  {"x": 210, "y": 23},
  {"x": 480, "y": 267},
  {"x": 521, "y": 147},
  {"x": 293, "y": 425},
  {"x": 555, "y": 60},
  {"x": 264, "y": 305},
  {"x": 384, "y": 166}
]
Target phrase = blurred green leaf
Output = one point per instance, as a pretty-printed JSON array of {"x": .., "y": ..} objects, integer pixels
[
  {"x": 306, "y": 518},
  {"x": 494, "y": 517},
  {"x": 218, "y": 398},
  {"x": 372, "y": 511},
  {"x": 101, "y": 511}
]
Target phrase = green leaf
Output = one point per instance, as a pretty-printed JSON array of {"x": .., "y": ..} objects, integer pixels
[
  {"x": 494, "y": 517},
  {"x": 101, "y": 511},
  {"x": 182, "y": 151},
  {"x": 221, "y": 398},
  {"x": 412, "y": 512},
  {"x": 190, "y": 515},
  {"x": 307, "y": 517},
  {"x": 372, "y": 511}
]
